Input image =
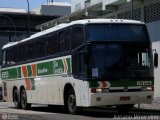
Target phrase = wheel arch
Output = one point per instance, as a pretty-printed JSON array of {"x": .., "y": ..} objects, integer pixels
[{"x": 67, "y": 87}]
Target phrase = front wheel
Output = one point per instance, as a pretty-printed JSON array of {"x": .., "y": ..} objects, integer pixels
[
  {"x": 24, "y": 103},
  {"x": 71, "y": 102}
]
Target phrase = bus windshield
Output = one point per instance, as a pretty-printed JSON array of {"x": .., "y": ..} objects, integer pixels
[
  {"x": 116, "y": 32},
  {"x": 120, "y": 61}
]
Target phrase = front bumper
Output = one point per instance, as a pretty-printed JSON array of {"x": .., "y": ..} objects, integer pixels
[{"x": 99, "y": 99}]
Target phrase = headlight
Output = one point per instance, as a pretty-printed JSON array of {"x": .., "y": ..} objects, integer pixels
[
  {"x": 147, "y": 88},
  {"x": 99, "y": 90}
]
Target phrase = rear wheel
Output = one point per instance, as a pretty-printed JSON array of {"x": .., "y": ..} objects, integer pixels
[
  {"x": 24, "y": 103},
  {"x": 16, "y": 100},
  {"x": 71, "y": 102}
]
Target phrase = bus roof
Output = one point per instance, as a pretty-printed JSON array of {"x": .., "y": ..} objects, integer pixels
[{"x": 64, "y": 25}]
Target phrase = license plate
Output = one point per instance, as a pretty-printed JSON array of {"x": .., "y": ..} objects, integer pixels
[{"x": 125, "y": 98}]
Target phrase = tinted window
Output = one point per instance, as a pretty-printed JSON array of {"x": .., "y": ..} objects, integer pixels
[
  {"x": 82, "y": 64},
  {"x": 116, "y": 32},
  {"x": 64, "y": 40},
  {"x": 68, "y": 38},
  {"x": 8, "y": 57},
  {"x": 75, "y": 64},
  {"x": 119, "y": 61},
  {"x": 77, "y": 36},
  {"x": 4, "y": 58},
  {"x": 52, "y": 44},
  {"x": 40, "y": 47},
  {"x": 30, "y": 50},
  {"x": 13, "y": 56},
  {"x": 21, "y": 52}
]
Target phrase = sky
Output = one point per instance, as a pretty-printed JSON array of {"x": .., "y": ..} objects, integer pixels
[{"x": 23, "y": 3}]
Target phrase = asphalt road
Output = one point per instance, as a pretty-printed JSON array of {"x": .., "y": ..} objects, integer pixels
[{"x": 42, "y": 112}]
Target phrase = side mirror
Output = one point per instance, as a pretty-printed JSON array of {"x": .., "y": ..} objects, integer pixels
[{"x": 156, "y": 60}]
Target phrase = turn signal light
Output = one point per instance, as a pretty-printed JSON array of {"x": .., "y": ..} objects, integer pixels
[
  {"x": 99, "y": 90},
  {"x": 148, "y": 88}
]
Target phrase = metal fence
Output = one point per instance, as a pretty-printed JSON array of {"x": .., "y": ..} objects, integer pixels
[{"x": 147, "y": 11}]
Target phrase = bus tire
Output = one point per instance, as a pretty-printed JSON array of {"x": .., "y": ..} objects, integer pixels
[
  {"x": 123, "y": 109},
  {"x": 24, "y": 103},
  {"x": 71, "y": 102},
  {"x": 16, "y": 100}
]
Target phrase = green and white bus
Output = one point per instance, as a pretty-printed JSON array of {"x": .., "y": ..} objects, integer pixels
[{"x": 85, "y": 63}]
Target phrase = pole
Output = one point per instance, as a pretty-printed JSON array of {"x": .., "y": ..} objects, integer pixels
[
  {"x": 13, "y": 23},
  {"x": 28, "y": 20},
  {"x": 132, "y": 10}
]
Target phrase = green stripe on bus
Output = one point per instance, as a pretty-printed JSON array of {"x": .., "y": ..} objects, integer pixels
[
  {"x": 45, "y": 68},
  {"x": 128, "y": 83},
  {"x": 32, "y": 83},
  {"x": 60, "y": 66},
  {"x": 69, "y": 65},
  {"x": 29, "y": 70},
  {"x": 9, "y": 74}
]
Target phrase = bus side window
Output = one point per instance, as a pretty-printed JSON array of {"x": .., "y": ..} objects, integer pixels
[
  {"x": 30, "y": 51},
  {"x": 67, "y": 38},
  {"x": 79, "y": 66},
  {"x": 4, "y": 58},
  {"x": 13, "y": 58},
  {"x": 64, "y": 40},
  {"x": 75, "y": 64},
  {"x": 40, "y": 47},
  {"x": 77, "y": 37},
  {"x": 52, "y": 44},
  {"x": 82, "y": 65},
  {"x": 21, "y": 53},
  {"x": 7, "y": 63}
]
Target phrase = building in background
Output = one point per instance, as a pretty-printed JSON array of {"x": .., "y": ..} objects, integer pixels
[
  {"x": 77, "y": 5},
  {"x": 54, "y": 9},
  {"x": 111, "y": 4}
]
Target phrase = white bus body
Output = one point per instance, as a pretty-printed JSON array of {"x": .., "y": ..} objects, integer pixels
[{"x": 51, "y": 81}]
